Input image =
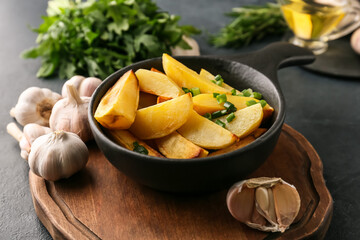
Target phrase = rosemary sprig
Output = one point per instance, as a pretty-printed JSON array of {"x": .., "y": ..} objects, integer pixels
[{"x": 251, "y": 23}]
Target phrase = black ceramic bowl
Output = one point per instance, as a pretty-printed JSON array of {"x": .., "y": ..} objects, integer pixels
[{"x": 257, "y": 71}]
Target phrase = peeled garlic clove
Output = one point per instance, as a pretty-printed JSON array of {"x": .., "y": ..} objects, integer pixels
[
  {"x": 84, "y": 86},
  {"x": 34, "y": 106},
  {"x": 267, "y": 204},
  {"x": 57, "y": 155},
  {"x": 70, "y": 114}
]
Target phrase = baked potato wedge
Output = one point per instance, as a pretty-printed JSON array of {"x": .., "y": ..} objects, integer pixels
[
  {"x": 118, "y": 106},
  {"x": 176, "y": 146},
  {"x": 125, "y": 139},
  {"x": 185, "y": 77},
  {"x": 246, "y": 120},
  {"x": 205, "y": 133},
  {"x": 206, "y": 103},
  {"x": 158, "y": 84},
  {"x": 162, "y": 119},
  {"x": 204, "y": 73}
]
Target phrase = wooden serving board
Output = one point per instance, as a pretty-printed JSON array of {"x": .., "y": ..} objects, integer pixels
[{"x": 101, "y": 203}]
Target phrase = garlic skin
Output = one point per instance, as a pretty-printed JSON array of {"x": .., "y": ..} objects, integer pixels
[
  {"x": 194, "y": 51},
  {"x": 34, "y": 106},
  {"x": 71, "y": 114},
  {"x": 85, "y": 86},
  {"x": 266, "y": 204},
  {"x": 57, "y": 155},
  {"x": 355, "y": 41},
  {"x": 31, "y": 132}
]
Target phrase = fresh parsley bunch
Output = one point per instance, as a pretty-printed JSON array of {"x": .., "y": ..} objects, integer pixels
[
  {"x": 96, "y": 38},
  {"x": 250, "y": 23}
]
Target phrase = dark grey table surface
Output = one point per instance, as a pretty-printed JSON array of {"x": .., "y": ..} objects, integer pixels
[{"x": 324, "y": 109}]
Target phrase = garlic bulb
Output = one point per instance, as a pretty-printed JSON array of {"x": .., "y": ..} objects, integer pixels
[
  {"x": 57, "y": 155},
  {"x": 194, "y": 51},
  {"x": 266, "y": 204},
  {"x": 34, "y": 106},
  {"x": 71, "y": 114},
  {"x": 355, "y": 41},
  {"x": 85, "y": 86}
]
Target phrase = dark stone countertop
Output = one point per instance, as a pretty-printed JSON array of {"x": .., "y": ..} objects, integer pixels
[{"x": 324, "y": 109}]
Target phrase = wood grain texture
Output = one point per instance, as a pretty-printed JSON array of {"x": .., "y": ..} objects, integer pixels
[{"x": 100, "y": 202}]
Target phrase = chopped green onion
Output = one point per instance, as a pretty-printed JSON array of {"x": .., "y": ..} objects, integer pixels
[
  {"x": 230, "y": 117},
  {"x": 140, "y": 149},
  {"x": 257, "y": 95},
  {"x": 230, "y": 107},
  {"x": 218, "y": 77},
  {"x": 263, "y": 103},
  {"x": 215, "y": 94},
  {"x": 221, "y": 98},
  {"x": 195, "y": 91},
  {"x": 220, "y": 83},
  {"x": 218, "y": 114},
  {"x": 250, "y": 102},
  {"x": 240, "y": 94},
  {"x": 233, "y": 92},
  {"x": 247, "y": 92},
  {"x": 186, "y": 90},
  {"x": 213, "y": 81},
  {"x": 208, "y": 116},
  {"x": 220, "y": 123}
]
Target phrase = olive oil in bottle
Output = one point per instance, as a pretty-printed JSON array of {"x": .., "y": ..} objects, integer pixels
[{"x": 311, "y": 20}]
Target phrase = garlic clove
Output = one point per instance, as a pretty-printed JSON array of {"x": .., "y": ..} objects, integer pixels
[
  {"x": 75, "y": 81},
  {"x": 241, "y": 205},
  {"x": 85, "y": 86},
  {"x": 287, "y": 204},
  {"x": 58, "y": 155},
  {"x": 88, "y": 86},
  {"x": 266, "y": 204},
  {"x": 70, "y": 114},
  {"x": 34, "y": 106}
]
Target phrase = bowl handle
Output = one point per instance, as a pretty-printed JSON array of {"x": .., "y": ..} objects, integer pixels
[{"x": 275, "y": 56}]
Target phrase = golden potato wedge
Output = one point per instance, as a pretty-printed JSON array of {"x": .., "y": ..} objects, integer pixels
[
  {"x": 185, "y": 77},
  {"x": 206, "y": 103},
  {"x": 158, "y": 84},
  {"x": 118, "y": 106},
  {"x": 176, "y": 146},
  {"x": 162, "y": 119},
  {"x": 205, "y": 133},
  {"x": 125, "y": 139},
  {"x": 146, "y": 100},
  {"x": 161, "y": 99},
  {"x": 204, "y": 73},
  {"x": 246, "y": 120},
  {"x": 155, "y": 70},
  {"x": 242, "y": 143}
]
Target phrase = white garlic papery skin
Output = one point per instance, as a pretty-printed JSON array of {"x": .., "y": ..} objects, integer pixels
[
  {"x": 34, "y": 106},
  {"x": 85, "y": 86},
  {"x": 266, "y": 204},
  {"x": 71, "y": 114},
  {"x": 31, "y": 132},
  {"x": 194, "y": 51},
  {"x": 57, "y": 155}
]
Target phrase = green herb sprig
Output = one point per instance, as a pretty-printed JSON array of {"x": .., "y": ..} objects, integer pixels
[
  {"x": 250, "y": 23},
  {"x": 96, "y": 38}
]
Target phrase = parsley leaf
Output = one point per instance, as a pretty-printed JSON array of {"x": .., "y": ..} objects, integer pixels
[{"x": 96, "y": 38}]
